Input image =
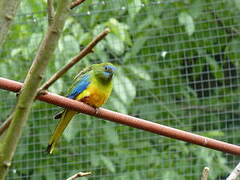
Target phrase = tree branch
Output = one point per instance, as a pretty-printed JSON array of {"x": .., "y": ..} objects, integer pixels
[
  {"x": 5, "y": 124},
  {"x": 76, "y": 3},
  {"x": 205, "y": 173},
  {"x": 74, "y": 60},
  {"x": 30, "y": 87},
  {"x": 235, "y": 173},
  {"x": 80, "y": 174},
  {"x": 8, "y": 9},
  {"x": 50, "y": 11},
  {"x": 127, "y": 120}
]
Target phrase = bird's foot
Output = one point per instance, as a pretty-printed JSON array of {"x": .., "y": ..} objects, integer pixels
[
  {"x": 97, "y": 111},
  {"x": 42, "y": 92}
]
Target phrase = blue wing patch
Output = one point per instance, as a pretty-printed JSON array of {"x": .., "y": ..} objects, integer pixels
[{"x": 81, "y": 86}]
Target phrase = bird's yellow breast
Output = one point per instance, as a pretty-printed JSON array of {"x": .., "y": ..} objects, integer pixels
[{"x": 96, "y": 94}]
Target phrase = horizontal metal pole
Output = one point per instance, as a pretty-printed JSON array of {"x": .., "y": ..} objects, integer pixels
[{"x": 52, "y": 98}]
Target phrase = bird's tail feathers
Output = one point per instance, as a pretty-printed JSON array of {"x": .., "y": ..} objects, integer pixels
[
  {"x": 59, "y": 114},
  {"x": 66, "y": 116}
]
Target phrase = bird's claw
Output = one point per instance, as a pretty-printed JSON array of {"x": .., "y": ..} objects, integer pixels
[
  {"x": 43, "y": 92},
  {"x": 97, "y": 111}
]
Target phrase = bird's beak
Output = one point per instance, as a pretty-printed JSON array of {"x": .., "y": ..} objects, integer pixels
[{"x": 113, "y": 69}]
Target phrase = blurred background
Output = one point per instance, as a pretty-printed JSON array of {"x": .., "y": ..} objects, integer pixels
[{"x": 178, "y": 65}]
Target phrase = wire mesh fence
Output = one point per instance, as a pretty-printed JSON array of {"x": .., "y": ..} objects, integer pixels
[{"x": 178, "y": 65}]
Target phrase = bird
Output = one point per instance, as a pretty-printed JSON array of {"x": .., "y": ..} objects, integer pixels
[{"x": 93, "y": 86}]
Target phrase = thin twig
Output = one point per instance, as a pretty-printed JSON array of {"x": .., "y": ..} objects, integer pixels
[
  {"x": 5, "y": 124},
  {"x": 74, "y": 60},
  {"x": 8, "y": 11},
  {"x": 76, "y": 3},
  {"x": 235, "y": 173},
  {"x": 50, "y": 11},
  {"x": 80, "y": 174},
  {"x": 205, "y": 173}
]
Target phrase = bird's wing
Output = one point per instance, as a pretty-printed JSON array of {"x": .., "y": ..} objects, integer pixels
[
  {"x": 80, "y": 86},
  {"x": 81, "y": 73},
  {"x": 81, "y": 82}
]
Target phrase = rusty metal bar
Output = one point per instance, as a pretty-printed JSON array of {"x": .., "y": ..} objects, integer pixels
[{"x": 58, "y": 100}]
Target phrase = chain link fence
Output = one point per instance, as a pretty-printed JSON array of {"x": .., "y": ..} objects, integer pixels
[{"x": 178, "y": 65}]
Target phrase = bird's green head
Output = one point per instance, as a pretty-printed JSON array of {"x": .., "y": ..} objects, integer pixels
[{"x": 104, "y": 71}]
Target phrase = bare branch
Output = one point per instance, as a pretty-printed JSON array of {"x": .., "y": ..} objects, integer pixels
[
  {"x": 80, "y": 174},
  {"x": 205, "y": 173},
  {"x": 76, "y": 3},
  {"x": 74, "y": 60},
  {"x": 8, "y": 9},
  {"x": 127, "y": 120},
  {"x": 235, "y": 173},
  {"x": 50, "y": 11},
  {"x": 5, "y": 124}
]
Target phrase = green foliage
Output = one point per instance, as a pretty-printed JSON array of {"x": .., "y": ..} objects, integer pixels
[
  {"x": 178, "y": 64},
  {"x": 187, "y": 20}
]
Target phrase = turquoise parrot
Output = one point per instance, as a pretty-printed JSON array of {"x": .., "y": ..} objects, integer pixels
[{"x": 92, "y": 86}]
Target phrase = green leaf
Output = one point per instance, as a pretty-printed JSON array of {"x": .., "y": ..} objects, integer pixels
[
  {"x": 58, "y": 86},
  {"x": 34, "y": 41},
  {"x": 170, "y": 174},
  {"x": 234, "y": 51},
  {"x": 111, "y": 135},
  {"x": 48, "y": 174},
  {"x": 138, "y": 44},
  {"x": 16, "y": 51},
  {"x": 115, "y": 44},
  {"x": 237, "y": 2},
  {"x": 69, "y": 45},
  {"x": 108, "y": 163},
  {"x": 196, "y": 8},
  {"x": 140, "y": 72},
  {"x": 120, "y": 30},
  {"x": 118, "y": 105},
  {"x": 134, "y": 6},
  {"x": 150, "y": 21},
  {"x": 216, "y": 69},
  {"x": 95, "y": 160},
  {"x": 36, "y": 6},
  {"x": 124, "y": 87},
  {"x": 98, "y": 29},
  {"x": 68, "y": 24},
  {"x": 186, "y": 20},
  {"x": 77, "y": 30}
]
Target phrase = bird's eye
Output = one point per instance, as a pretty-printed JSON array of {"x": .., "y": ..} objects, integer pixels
[{"x": 106, "y": 68}]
